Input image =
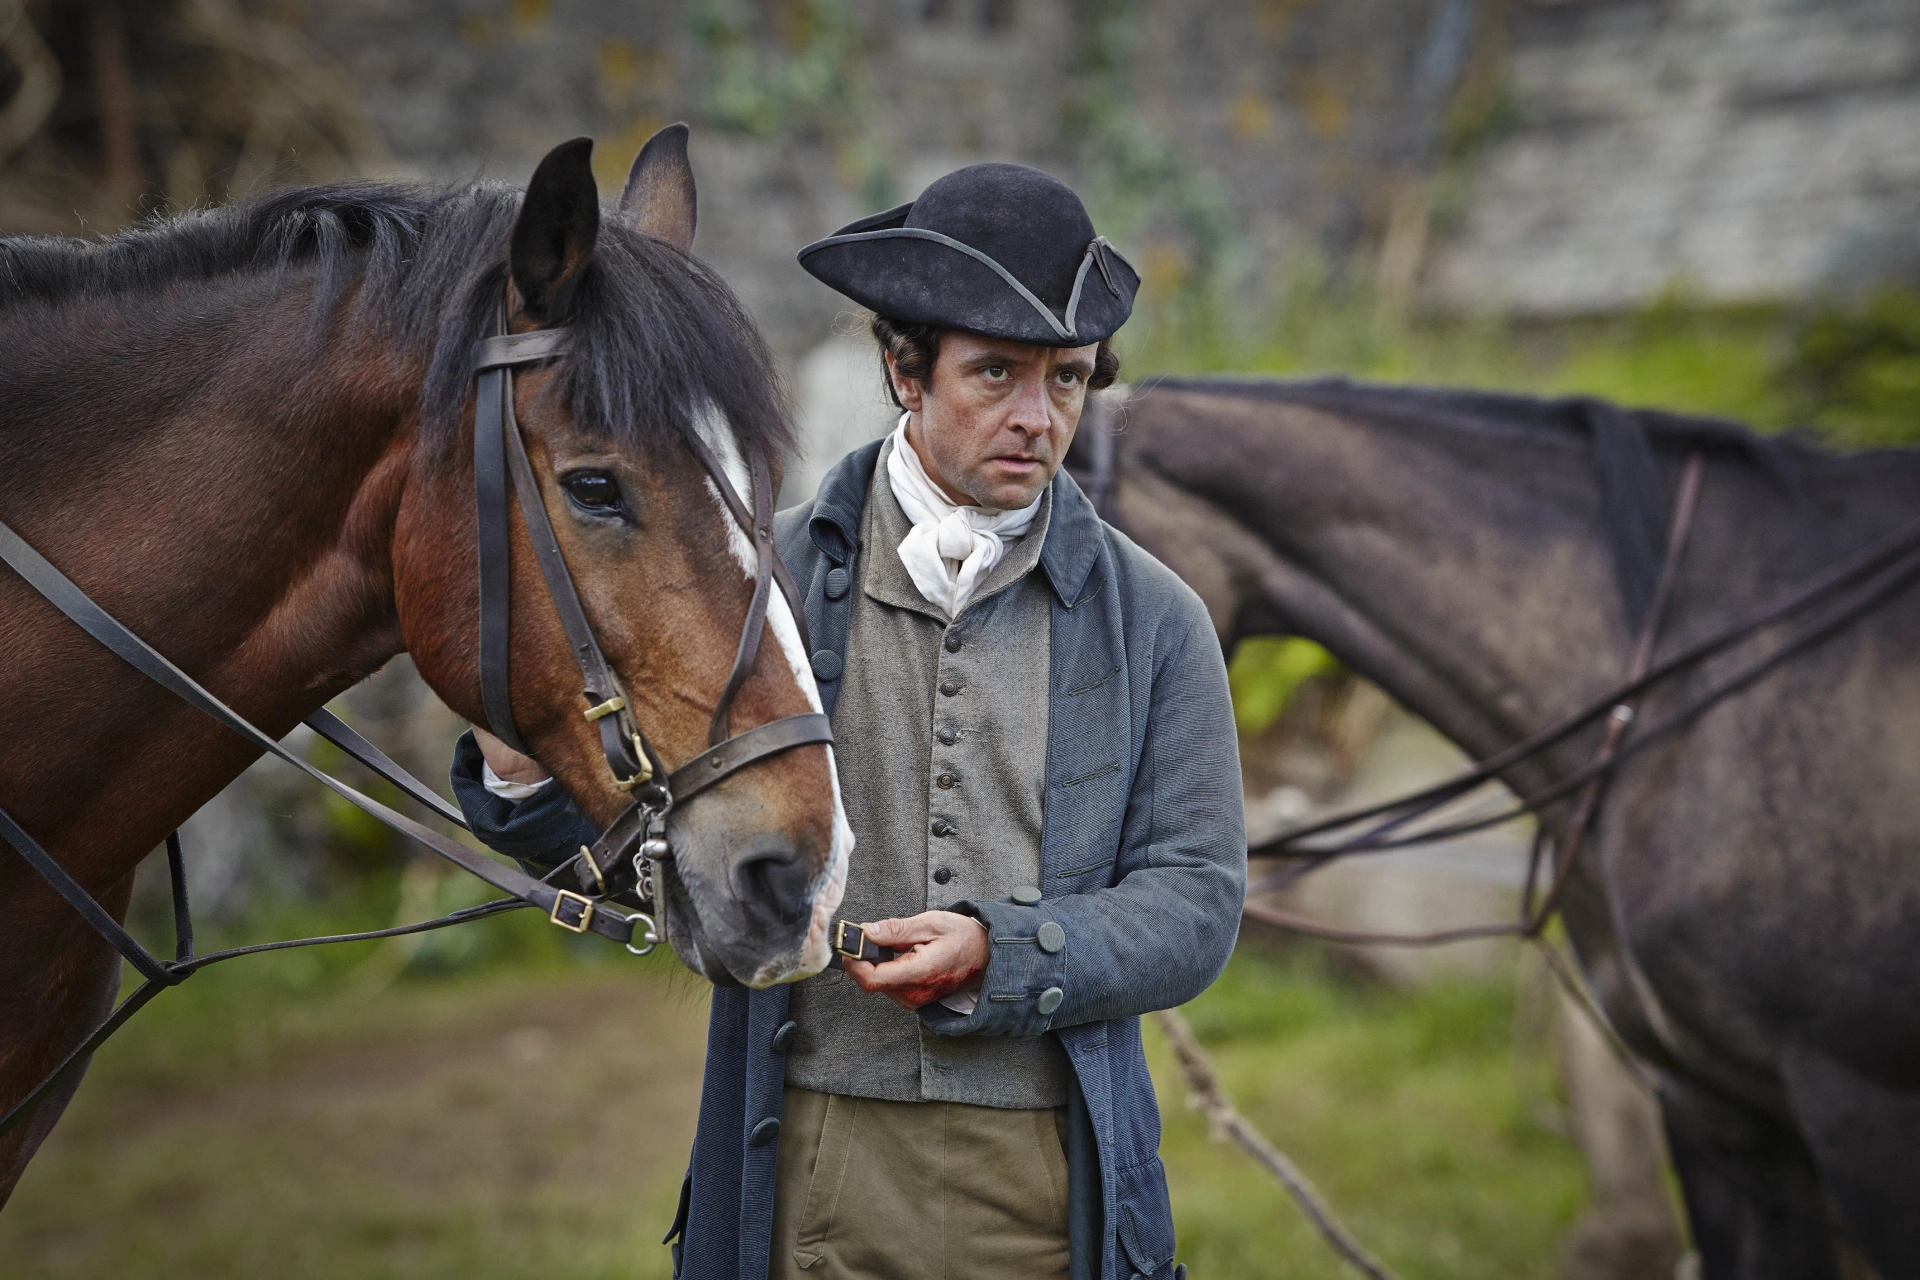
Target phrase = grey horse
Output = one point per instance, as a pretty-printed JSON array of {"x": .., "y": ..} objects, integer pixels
[{"x": 1748, "y": 908}]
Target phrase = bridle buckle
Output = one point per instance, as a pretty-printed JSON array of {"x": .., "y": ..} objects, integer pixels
[{"x": 563, "y": 896}]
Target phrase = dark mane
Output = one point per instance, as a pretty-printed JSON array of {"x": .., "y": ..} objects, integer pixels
[
  {"x": 655, "y": 333},
  {"x": 1623, "y": 445},
  {"x": 1473, "y": 408}
]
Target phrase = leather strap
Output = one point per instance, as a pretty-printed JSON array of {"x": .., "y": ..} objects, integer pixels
[
  {"x": 506, "y": 349},
  {"x": 747, "y": 652},
  {"x": 343, "y": 736},
  {"x": 103, "y": 627},
  {"x": 616, "y": 846},
  {"x": 490, "y": 517},
  {"x": 748, "y": 524},
  {"x": 743, "y": 749},
  {"x": 598, "y": 683},
  {"x": 849, "y": 941}
]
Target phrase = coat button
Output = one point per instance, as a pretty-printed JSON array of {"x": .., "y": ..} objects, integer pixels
[
  {"x": 942, "y": 876},
  {"x": 769, "y": 1129},
  {"x": 941, "y": 827},
  {"x": 783, "y": 1038},
  {"x": 838, "y": 580},
  {"x": 1026, "y": 895},
  {"x": 1051, "y": 937},
  {"x": 952, "y": 642},
  {"x": 827, "y": 665},
  {"x": 948, "y": 688},
  {"x": 947, "y": 736},
  {"x": 1049, "y": 1002},
  {"x": 946, "y": 782}
]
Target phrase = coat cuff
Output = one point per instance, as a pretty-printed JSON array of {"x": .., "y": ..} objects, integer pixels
[
  {"x": 1025, "y": 983},
  {"x": 544, "y": 830}
]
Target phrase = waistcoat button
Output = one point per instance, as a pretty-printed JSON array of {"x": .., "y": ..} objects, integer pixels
[
  {"x": 838, "y": 579},
  {"x": 942, "y": 876},
  {"x": 952, "y": 644},
  {"x": 949, "y": 688},
  {"x": 945, "y": 782},
  {"x": 1049, "y": 1001},
  {"x": 827, "y": 664},
  {"x": 783, "y": 1038},
  {"x": 941, "y": 827},
  {"x": 947, "y": 736},
  {"x": 1051, "y": 937},
  {"x": 769, "y": 1129}
]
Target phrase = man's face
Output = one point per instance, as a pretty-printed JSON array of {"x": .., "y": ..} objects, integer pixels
[{"x": 994, "y": 422}]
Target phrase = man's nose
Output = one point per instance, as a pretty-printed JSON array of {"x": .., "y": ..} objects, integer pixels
[{"x": 1030, "y": 413}]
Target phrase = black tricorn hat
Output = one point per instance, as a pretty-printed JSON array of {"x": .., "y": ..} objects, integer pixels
[{"x": 1000, "y": 250}]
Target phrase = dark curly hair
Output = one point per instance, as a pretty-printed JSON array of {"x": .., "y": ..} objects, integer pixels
[{"x": 914, "y": 348}]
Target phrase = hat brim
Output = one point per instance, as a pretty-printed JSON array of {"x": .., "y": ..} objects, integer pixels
[{"x": 922, "y": 277}]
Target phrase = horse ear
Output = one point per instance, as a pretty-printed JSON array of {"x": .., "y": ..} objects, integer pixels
[
  {"x": 554, "y": 235},
  {"x": 660, "y": 199}
]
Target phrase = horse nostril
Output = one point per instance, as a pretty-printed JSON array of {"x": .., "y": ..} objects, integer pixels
[{"x": 771, "y": 880}]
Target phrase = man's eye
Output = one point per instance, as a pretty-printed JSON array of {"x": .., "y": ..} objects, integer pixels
[
  {"x": 996, "y": 372},
  {"x": 1068, "y": 377},
  {"x": 594, "y": 490}
]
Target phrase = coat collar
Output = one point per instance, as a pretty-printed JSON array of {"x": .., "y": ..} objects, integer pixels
[{"x": 1067, "y": 557}]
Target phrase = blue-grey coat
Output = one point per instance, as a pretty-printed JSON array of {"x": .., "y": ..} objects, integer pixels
[{"x": 1142, "y": 863}]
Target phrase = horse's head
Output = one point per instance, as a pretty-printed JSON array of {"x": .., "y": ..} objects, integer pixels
[{"x": 659, "y": 353}]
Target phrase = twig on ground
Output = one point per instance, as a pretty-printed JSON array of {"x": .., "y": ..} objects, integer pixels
[{"x": 1211, "y": 1101}]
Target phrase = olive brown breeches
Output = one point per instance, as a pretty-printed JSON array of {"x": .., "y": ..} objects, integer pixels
[{"x": 873, "y": 1190}]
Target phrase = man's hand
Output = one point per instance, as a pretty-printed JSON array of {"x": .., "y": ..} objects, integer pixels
[
  {"x": 939, "y": 953},
  {"x": 507, "y": 764}
]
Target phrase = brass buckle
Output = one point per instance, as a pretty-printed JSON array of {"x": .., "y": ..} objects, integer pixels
[
  {"x": 840, "y": 930},
  {"x": 586, "y": 856},
  {"x": 607, "y": 708},
  {"x": 643, "y": 774},
  {"x": 586, "y": 910}
]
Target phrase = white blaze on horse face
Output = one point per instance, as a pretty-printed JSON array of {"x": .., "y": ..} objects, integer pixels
[{"x": 831, "y": 884}]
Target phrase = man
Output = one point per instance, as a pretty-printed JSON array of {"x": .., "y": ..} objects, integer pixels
[{"x": 1038, "y": 760}]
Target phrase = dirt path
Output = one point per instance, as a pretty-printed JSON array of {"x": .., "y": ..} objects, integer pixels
[{"x": 540, "y": 1133}]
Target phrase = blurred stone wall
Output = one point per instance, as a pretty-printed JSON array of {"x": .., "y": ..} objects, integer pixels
[{"x": 1733, "y": 149}]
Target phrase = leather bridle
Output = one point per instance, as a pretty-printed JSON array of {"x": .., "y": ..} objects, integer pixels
[
  {"x": 615, "y": 872},
  {"x": 636, "y": 841}
]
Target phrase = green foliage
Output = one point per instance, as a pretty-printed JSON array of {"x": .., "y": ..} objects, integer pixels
[
  {"x": 1265, "y": 671},
  {"x": 1850, "y": 372},
  {"x": 1855, "y": 369},
  {"x": 792, "y": 67}
]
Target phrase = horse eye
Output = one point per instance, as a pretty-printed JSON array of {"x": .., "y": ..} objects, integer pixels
[{"x": 594, "y": 490}]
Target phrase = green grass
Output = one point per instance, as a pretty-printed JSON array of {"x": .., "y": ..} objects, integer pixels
[
  {"x": 293, "y": 1116},
  {"x": 1402, "y": 1106}
]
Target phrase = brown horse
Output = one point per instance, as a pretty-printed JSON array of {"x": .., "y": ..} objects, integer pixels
[
  {"x": 1749, "y": 908},
  {"x": 247, "y": 434}
]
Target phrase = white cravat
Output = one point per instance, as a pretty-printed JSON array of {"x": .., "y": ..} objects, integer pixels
[{"x": 950, "y": 549}]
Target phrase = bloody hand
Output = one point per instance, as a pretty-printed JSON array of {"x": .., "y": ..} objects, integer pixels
[{"x": 938, "y": 953}]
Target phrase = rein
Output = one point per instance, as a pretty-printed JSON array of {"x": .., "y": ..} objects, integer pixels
[
  {"x": 1850, "y": 589},
  {"x": 617, "y": 871}
]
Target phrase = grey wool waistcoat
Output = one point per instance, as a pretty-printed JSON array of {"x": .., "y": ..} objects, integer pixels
[{"x": 941, "y": 731}]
